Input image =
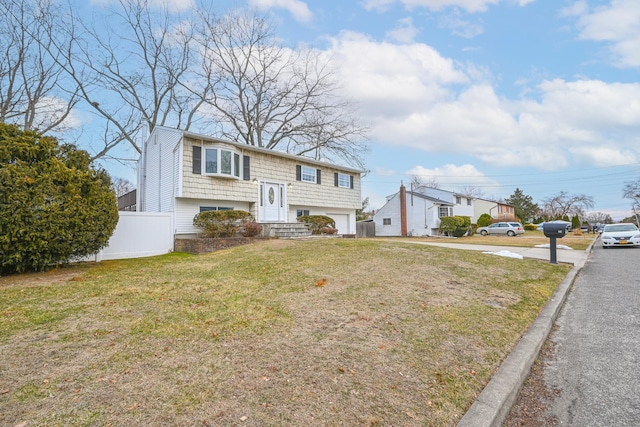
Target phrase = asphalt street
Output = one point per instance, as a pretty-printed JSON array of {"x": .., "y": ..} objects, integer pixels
[
  {"x": 597, "y": 341},
  {"x": 596, "y": 364}
]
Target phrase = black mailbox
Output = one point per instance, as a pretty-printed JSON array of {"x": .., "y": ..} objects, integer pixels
[{"x": 552, "y": 229}]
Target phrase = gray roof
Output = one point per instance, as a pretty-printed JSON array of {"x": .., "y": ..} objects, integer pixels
[
  {"x": 248, "y": 147},
  {"x": 423, "y": 196}
]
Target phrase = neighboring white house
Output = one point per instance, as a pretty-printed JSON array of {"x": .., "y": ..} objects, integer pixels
[
  {"x": 187, "y": 173},
  {"x": 497, "y": 210},
  {"x": 409, "y": 213},
  {"x": 418, "y": 213}
]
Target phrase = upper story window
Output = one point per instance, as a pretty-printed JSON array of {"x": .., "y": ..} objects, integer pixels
[
  {"x": 308, "y": 174},
  {"x": 458, "y": 200},
  {"x": 468, "y": 202},
  {"x": 214, "y": 161},
  {"x": 218, "y": 161},
  {"x": 343, "y": 180}
]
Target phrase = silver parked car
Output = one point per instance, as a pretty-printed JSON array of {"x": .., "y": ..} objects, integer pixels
[
  {"x": 507, "y": 228},
  {"x": 620, "y": 235}
]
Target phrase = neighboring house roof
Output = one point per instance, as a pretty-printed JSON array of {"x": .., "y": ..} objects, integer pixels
[
  {"x": 253, "y": 148},
  {"x": 493, "y": 201},
  {"x": 431, "y": 199},
  {"x": 421, "y": 196}
]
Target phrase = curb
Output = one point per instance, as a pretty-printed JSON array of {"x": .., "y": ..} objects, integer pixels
[{"x": 493, "y": 404}]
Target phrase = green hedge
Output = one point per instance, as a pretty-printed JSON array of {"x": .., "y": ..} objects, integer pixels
[
  {"x": 222, "y": 223},
  {"x": 485, "y": 220},
  {"x": 319, "y": 224},
  {"x": 455, "y": 226}
]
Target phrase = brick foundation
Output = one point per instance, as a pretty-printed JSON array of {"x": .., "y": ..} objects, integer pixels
[{"x": 205, "y": 245}]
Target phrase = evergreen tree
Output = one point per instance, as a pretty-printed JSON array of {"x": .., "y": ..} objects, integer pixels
[
  {"x": 525, "y": 209},
  {"x": 53, "y": 205}
]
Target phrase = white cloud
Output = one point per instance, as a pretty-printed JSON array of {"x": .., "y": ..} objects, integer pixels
[
  {"x": 405, "y": 32},
  {"x": 576, "y": 9},
  {"x": 450, "y": 176},
  {"x": 604, "y": 156},
  {"x": 171, "y": 5},
  {"x": 468, "y": 5},
  {"x": 459, "y": 26},
  {"x": 297, "y": 8},
  {"x": 377, "y": 5},
  {"x": 389, "y": 80},
  {"x": 414, "y": 97},
  {"x": 381, "y": 171},
  {"x": 618, "y": 24}
]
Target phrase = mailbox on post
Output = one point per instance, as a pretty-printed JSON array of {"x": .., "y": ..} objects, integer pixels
[{"x": 554, "y": 230}]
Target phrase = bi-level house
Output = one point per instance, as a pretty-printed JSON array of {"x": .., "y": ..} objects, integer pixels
[{"x": 187, "y": 173}]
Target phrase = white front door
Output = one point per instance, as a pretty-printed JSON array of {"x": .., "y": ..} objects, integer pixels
[{"x": 272, "y": 202}]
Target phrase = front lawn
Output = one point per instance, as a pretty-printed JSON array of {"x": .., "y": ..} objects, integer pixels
[{"x": 320, "y": 332}]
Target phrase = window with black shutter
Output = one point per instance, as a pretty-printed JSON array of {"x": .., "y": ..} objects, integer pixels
[
  {"x": 246, "y": 168},
  {"x": 197, "y": 159}
]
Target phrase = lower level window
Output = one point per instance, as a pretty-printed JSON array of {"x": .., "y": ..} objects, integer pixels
[
  {"x": 302, "y": 212},
  {"x": 443, "y": 211},
  {"x": 214, "y": 208},
  {"x": 386, "y": 221}
]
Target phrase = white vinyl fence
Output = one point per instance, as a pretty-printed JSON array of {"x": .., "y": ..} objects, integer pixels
[{"x": 139, "y": 234}]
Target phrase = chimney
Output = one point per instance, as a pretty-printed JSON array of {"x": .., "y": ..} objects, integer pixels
[{"x": 403, "y": 211}]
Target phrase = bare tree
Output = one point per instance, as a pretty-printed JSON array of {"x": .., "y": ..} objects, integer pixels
[
  {"x": 138, "y": 66},
  {"x": 471, "y": 191},
  {"x": 631, "y": 191},
  {"x": 121, "y": 186},
  {"x": 31, "y": 93},
  {"x": 418, "y": 182},
  {"x": 564, "y": 204},
  {"x": 599, "y": 218},
  {"x": 127, "y": 68},
  {"x": 269, "y": 96}
]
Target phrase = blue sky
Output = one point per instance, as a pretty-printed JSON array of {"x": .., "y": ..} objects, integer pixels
[{"x": 541, "y": 95}]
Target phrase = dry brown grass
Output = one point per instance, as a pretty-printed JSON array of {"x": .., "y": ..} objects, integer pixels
[
  {"x": 397, "y": 334},
  {"x": 529, "y": 239}
]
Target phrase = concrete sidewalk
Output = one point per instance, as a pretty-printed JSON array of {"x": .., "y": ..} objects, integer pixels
[{"x": 493, "y": 404}]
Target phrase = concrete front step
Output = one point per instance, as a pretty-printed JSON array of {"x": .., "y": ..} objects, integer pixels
[{"x": 287, "y": 230}]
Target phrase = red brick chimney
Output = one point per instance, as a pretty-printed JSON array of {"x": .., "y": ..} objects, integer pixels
[{"x": 403, "y": 211}]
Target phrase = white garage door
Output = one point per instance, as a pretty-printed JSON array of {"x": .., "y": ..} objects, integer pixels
[{"x": 342, "y": 223}]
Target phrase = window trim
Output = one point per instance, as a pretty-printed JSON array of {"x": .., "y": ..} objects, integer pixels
[
  {"x": 343, "y": 180},
  {"x": 236, "y": 167},
  {"x": 215, "y": 208},
  {"x": 308, "y": 174},
  {"x": 317, "y": 173},
  {"x": 440, "y": 208}
]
